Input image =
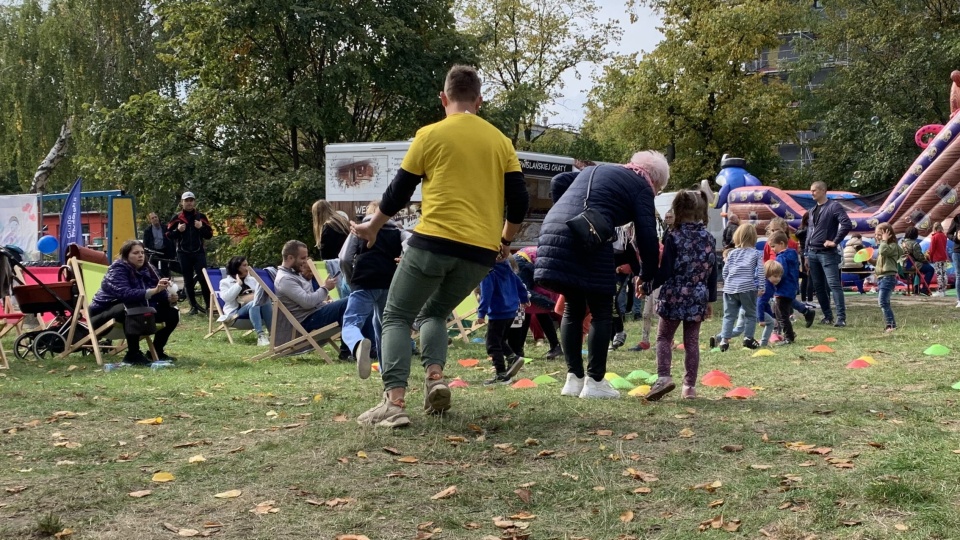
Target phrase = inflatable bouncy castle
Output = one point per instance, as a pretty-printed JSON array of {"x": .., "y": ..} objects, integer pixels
[{"x": 929, "y": 191}]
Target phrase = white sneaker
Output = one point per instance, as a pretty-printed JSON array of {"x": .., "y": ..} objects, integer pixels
[
  {"x": 263, "y": 340},
  {"x": 598, "y": 389},
  {"x": 958, "y": 304},
  {"x": 362, "y": 354},
  {"x": 573, "y": 386},
  {"x": 940, "y": 294}
]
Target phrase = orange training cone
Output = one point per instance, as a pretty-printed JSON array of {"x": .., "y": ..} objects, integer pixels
[
  {"x": 716, "y": 380},
  {"x": 830, "y": 340},
  {"x": 858, "y": 364},
  {"x": 740, "y": 392},
  {"x": 458, "y": 383},
  {"x": 718, "y": 373},
  {"x": 524, "y": 383},
  {"x": 468, "y": 362},
  {"x": 821, "y": 348}
]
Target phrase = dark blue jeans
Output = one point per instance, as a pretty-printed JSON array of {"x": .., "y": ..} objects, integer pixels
[
  {"x": 886, "y": 284},
  {"x": 825, "y": 273}
]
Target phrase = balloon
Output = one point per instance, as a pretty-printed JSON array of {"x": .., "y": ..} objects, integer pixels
[{"x": 48, "y": 244}]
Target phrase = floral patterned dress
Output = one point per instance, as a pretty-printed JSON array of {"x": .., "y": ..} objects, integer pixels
[{"x": 687, "y": 276}]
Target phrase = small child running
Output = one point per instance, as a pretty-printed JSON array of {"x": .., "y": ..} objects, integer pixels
[
  {"x": 787, "y": 289},
  {"x": 742, "y": 283},
  {"x": 501, "y": 294},
  {"x": 766, "y": 319},
  {"x": 688, "y": 285}
]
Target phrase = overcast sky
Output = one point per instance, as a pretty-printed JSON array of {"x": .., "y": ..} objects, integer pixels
[{"x": 641, "y": 36}]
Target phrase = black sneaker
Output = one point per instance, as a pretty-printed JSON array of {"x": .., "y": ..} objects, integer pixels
[
  {"x": 193, "y": 311},
  {"x": 724, "y": 347},
  {"x": 826, "y": 320},
  {"x": 202, "y": 310},
  {"x": 555, "y": 352},
  {"x": 713, "y": 342},
  {"x": 499, "y": 378},
  {"x": 840, "y": 323},
  {"x": 161, "y": 355},
  {"x": 514, "y": 363},
  {"x": 751, "y": 343},
  {"x": 136, "y": 359},
  {"x": 810, "y": 315}
]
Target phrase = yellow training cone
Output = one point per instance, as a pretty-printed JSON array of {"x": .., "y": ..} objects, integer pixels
[
  {"x": 868, "y": 359},
  {"x": 640, "y": 391},
  {"x": 611, "y": 376},
  {"x": 762, "y": 352}
]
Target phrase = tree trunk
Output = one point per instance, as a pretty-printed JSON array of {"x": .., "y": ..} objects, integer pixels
[{"x": 56, "y": 154}]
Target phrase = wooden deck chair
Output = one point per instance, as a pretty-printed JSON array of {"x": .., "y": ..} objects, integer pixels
[
  {"x": 215, "y": 315},
  {"x": 464, "y": 319},
  {"x": 321, "y": 275},
  {"x": 89, "y": 277},
  {"x": 287, "y": 335}
]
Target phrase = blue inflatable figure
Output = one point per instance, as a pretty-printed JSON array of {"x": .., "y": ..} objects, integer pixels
[{"x": 733, "y": 175}]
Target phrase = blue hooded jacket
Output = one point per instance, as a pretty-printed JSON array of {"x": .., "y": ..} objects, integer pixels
[
  {"x": 790, "y": 282},
  {"x": 501, "y": 293}
]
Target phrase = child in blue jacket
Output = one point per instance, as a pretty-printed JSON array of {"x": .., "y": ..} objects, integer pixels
[
  {"x": 501, "y": 294},
  {"x": 788, "y": 286},
  {"x": 766, "y": 319}
]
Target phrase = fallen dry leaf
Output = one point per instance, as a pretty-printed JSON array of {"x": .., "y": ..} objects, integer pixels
[
  {"x": 63, "y": 534},
  {"x": 599, "y": 488},
  {"x": 686, "y": 433},
  {"x": 642, "y": 490},
  {"x": 715, "y": 503},
  {"x": 604, "y": 432},
  {"x": 455, "y": 439},
  {"x": 709, "y": 487},
  {"x": 626, "y": 516},
  {"x": 501, "y": 523},
  {"x": 197, "y": 459},
  {"x": 546, "y": 453},
  {"x": 139, "y": 494},
  {"x": 392, "y": 451},
  {"x": 851, "y": 522},
  {"x": 408, "y": 459},
  {"x": 630, "y": 436},
  {"x": 340, "y": 418},
  {"x": 877, "y": 445},
  {"x": 513, "y": 405},
  {"x": 162, "y": 477},
  {"x": 471, "y": 526},
  {"x": 761, "y": 467},
  {"x": 151, "y": 421},
  {"x": 188, "y": 532},
  {"x": 449, "y": 492},
  {"x": 822, "y": 451},
  {"x": 640, "y": 475},
  {"x": 523, "y": 515},
  {"x": 524, "y": 495},
  {"x": 570, "y": 476},
  {"x": 732, "y": 448},
  {"x": 531, "y": 442},
  {"x": 232, "y": 494},
  {"x": 351, "y": 537},
  {"x": 265, "y": 507},
  {"x": 333, "y": 503},
  {"x": 732, "y": 526},
  {"x": 901, "y": 527},
  {"x": 16, "y": 489}
]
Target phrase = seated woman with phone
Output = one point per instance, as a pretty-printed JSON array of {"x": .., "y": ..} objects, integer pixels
[
  {"x": 132, "y": 284},
  {"x": 237, "y": 290}
]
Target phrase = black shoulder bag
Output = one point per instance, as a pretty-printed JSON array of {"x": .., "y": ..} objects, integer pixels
[{"x": 589, "y": 227}]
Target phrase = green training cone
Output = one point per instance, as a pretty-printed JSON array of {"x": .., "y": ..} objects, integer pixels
[
  {"x": 936, "y": 350},
  {"x": 545, "y": 379},
  {"x": 621, "y": 384},
  {"x": 651, "y": 379},
  {"x": 956, "y": 385},
  {"x": 638, "y": 375}
]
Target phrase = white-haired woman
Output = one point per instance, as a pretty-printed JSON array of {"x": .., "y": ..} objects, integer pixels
[{"x": 587, "y": 278}]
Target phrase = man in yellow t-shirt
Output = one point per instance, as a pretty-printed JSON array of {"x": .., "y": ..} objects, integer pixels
[{"x": 471, "y": 175}]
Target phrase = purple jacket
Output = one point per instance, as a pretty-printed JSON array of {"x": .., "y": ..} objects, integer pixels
[{"x": 126, "y": 285}]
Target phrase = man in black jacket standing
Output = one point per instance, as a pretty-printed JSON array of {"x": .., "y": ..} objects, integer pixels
[
  {"x": 155, "y": 239},
  {"x": 829, "y": 225},
  {"x": 188, "y": 230}
]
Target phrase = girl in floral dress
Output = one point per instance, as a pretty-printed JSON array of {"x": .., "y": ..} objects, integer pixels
[{"x": 688, "y": 285}]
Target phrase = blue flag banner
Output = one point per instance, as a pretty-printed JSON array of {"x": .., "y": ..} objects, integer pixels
[{"x": 71, "y": 230}]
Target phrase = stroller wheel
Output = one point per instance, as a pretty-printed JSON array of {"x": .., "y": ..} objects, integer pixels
[
  {"x": 23, "y": 345},
  {"x": 49, "y": 344}
]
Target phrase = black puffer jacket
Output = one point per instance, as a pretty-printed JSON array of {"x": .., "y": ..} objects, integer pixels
[{"x": 621, "y": 196}]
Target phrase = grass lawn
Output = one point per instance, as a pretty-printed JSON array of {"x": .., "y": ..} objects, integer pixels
[{"x": 820, "y": 452}]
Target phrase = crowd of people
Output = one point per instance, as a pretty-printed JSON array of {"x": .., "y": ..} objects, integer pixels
[{"x": 626, "y": 261}]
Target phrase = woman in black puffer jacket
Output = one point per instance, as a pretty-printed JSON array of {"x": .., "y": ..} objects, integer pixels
[{"x": 587, "y": 279}]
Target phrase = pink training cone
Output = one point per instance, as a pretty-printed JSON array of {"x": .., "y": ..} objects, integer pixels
[
  {"x": 858, "y": 364},
  {"x": 458, "y": 383},
  {"x": 740, "y": 392}
]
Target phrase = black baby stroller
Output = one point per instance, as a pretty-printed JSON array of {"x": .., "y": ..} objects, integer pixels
[{"x": 39, "y": 298}]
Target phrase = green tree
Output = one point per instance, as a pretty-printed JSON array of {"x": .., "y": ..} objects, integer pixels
[
  {"x": 263, "y": 87},
  {"x": 696, "y": 96},
  {"x": 525, "y": 46},
  {"x": 890, "y": 64}
]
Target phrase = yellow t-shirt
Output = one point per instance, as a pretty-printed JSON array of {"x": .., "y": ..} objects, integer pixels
[{"x": 463, "y": 159}]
